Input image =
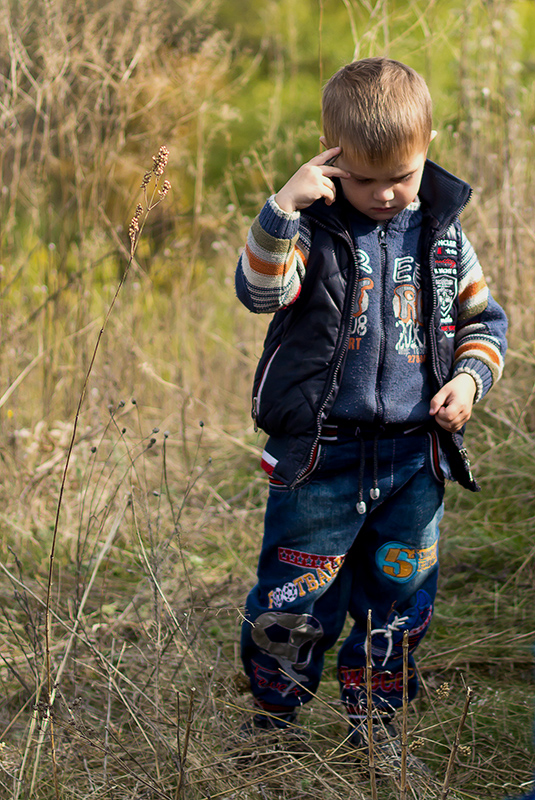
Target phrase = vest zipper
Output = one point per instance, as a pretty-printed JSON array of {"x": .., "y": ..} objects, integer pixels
[
  {"x": 431, "y": 332},
  {"x": 382, "y": 347},
  {"x": 341, "y": 354},
  {"x": 433, "y": 238},
  {"x": 463, "y": 452}
]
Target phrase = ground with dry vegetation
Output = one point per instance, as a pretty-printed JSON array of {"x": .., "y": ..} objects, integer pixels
[{"x": 131, "y": 499}]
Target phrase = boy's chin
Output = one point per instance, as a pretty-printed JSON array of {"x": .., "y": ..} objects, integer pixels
[{"x": 381, "y": 214}]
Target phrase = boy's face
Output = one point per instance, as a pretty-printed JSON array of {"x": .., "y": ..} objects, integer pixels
[{"x": 382, "y": 192}]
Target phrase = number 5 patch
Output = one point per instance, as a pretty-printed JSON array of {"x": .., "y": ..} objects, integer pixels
[{"x": 401, "y": 563}]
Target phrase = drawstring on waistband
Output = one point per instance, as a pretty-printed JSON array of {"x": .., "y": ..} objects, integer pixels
[
  {"x": 361, "y": 505},
  {"x": 375, "y": 492},
  {"x": 335, "y": 430}
]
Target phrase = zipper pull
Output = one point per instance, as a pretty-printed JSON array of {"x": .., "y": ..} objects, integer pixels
[
  {"x": 253, "y": 414},
  {"x": 463, "y": 452},
  {"x": 382, "y": 237}
]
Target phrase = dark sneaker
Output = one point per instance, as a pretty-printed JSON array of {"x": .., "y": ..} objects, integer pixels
[
  {"x": 269, "y": 721},
  {"x": 383, "y": 729},
  {"x": 266, "y": 732},
  {"x": 281, "y": 728},
  {"x": 387, "y": 748}
]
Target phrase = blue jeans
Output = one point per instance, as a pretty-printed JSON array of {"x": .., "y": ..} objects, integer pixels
[{"x": 321, "y": 559}]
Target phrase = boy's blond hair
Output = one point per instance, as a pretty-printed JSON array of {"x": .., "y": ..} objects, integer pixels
[{"x": 378, "y": 110}]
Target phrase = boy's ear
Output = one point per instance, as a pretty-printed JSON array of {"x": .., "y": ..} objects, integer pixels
[
  {"x": 323, "y": 141},
  {"x": 433, "y": 134}
]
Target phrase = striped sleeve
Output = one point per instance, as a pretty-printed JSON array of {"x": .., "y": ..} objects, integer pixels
[
  {"x": 480, "y": 342},
  {"x": 273, "y": 263}
]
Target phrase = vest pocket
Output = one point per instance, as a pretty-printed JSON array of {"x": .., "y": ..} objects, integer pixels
[
  {"x": 437, "y": 461},
  {"x": 269, "y": 463}
]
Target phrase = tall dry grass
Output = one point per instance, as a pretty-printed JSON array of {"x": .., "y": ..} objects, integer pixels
[{"x": 162, "y": 511}]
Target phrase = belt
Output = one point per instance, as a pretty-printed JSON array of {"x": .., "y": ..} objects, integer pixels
[{"x": 334, "y": 429}]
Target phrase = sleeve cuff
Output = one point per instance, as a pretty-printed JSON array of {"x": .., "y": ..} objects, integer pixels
[
  {"x": 279, "y": 223},
  {"x": 479, "y": 372}
]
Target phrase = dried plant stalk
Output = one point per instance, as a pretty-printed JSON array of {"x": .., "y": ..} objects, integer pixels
[
  {"x": 160, "y": 162},
  {"x": 182, "y": 756},
  {"x": 455, "y": 745},
  {"x": 405, "y": 711},
  {"x": 369, "y": 707}
]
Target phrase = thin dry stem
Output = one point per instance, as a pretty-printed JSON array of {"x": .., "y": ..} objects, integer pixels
[
  {"x": 404, "y": 717},
  {"x": 181, "y": 778},
  {"x": 48, "y": 634},
  {"x": 455, "y": 745},
  {"x": 369, "y": 707}
]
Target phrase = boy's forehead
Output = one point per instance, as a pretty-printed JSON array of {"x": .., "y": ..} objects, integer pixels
[{"x": 396, "y": 166}]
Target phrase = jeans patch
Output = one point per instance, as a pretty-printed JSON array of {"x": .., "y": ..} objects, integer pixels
[
  {"x": 325, "y": 569},
  {"x": 384, "y": 681},
  {"x": 300, "y": 559},
  {"x": 289, "y": 639},
  {"x": 272, "y": 680},
  {"x": 401, "y": 563}
]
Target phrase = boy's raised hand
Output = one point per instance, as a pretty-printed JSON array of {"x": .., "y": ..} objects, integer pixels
[
  {"x": 452, "y": 405},
  {"x": 311, "y": 182}
]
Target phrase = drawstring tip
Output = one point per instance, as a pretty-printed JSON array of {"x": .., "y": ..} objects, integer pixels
[
  {"x": 375, "y": 493},
  {"x": 361, "y": 507}
]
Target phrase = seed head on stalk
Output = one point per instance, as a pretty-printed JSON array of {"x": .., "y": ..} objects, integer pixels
[
  {"x": 133, "y": 230},
  {"x": 157, "y": 195},
  {"x": 164, "y": 191},
  {"x": 160, "y": 161}
]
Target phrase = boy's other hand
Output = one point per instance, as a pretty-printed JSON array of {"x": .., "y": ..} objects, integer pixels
[
  {"x": 311, "y": 182},
  {"x": 452, "y": 405}
]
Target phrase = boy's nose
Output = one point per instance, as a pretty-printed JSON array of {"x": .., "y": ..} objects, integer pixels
[{"x": 384, "y": 193}]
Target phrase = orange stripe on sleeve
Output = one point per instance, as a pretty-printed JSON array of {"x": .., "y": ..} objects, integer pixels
[
  {"x": 472, "y": 289},
  {"x": 301, "y": 255},
  {"x": 492, "y": 354},
  {"x": 264, "y": 267}
]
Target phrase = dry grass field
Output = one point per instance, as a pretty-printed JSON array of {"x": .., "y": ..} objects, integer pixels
[{"x": 131, "y": 500}]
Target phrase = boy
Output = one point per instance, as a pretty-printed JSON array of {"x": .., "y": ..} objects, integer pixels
[{"x": 384, "y": 336}]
